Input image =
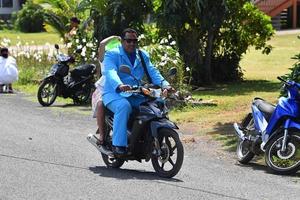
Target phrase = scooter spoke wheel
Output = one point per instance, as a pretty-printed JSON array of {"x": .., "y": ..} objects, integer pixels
[
  {"x": 169, "y": 162},
  {"x": 82, "y": 96},
  {"x": 111, "y": 161},
  {"x": 284, "y": 162},
  {"x": 47, "y": 93},
  {"x": 243, "y": 152}
]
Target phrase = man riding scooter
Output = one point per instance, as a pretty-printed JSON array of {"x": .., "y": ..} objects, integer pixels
[{"x": 117, "y": 82}]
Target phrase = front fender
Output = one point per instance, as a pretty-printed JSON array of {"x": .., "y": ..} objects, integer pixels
[
  {"x": 162, "y": 123},
  {"x": 291, "y": 126},
  {"x": 49, "y": 78}
]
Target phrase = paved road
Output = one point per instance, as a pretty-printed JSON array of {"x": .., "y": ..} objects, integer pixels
[{"x": 44, "y": 154}]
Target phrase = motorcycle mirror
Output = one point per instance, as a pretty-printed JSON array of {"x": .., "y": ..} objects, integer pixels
[
  {"x": 172, "y": 72},
  {"x": 56, "y": 46},
  {"x": 125, "y": 69}
]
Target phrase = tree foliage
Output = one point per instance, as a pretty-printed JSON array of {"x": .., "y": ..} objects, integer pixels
[
  {"x": 213, "y": 35},
  {"x": 112, "y": 16},
  {"x": 59, "y": 12},
  {"x": 30, "y": 18}
]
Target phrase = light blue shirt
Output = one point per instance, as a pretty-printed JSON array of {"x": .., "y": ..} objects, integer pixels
[{"x": 113, "y": 60}]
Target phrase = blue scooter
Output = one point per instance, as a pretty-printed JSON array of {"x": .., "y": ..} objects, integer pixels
[{"x": 273, "y": 131}]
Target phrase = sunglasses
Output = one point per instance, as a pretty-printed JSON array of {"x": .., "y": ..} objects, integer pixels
[{"x": 131, "y": 40}]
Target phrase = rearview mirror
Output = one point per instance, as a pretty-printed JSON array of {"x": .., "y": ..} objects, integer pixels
[
  {"x": 172, "y": 72},
  {"x": 56, "y": 46}
]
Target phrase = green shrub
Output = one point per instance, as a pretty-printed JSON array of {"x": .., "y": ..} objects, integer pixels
[
  {"x": 30, "y": 19},
  {"x": 5, "y": 25}
]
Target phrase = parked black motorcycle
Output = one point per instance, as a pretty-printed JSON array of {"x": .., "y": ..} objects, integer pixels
[
  {"x": 78, "y": 84},
  {"x": 151, "y": 135}
]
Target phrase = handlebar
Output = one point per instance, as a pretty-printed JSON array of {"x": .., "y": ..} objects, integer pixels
[{"x": 282, "y": 80}]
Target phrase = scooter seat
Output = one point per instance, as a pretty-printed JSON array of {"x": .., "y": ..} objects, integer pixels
[{"x": 266, "y": 108}]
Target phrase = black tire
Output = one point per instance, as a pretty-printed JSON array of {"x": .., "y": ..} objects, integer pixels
[
  {"x": 160, "y": 163},
  {"x": 287, "y": 162},
  {"x": 47, "y": 92},
  {"x": 82, "y": 96},
  {"x": 112, "y": 162},
  {"x": 243, "y": 152}
]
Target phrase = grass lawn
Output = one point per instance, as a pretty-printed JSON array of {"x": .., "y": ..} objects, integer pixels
[
  {"x": 233, "y": 100},
  {"x": 30, "y": 38}
]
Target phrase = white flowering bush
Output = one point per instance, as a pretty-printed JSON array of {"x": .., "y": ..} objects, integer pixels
[
  {"x": 164, "y": 55},
  {"x": 86, "y": 43}
]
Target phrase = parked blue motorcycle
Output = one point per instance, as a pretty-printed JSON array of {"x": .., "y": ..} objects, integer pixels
[{"x": 274, "y": 131}]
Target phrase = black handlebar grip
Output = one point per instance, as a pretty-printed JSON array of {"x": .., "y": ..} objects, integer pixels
[{"x": 281, "y": 79}]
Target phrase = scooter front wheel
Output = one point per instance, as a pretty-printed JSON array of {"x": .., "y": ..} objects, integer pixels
[
  {"x": 47, "y": 92},
  {"x": 283, "y": 162},
  {"x": 170, "y": 161}
]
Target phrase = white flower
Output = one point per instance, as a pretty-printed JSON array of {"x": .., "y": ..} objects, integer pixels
[
  {"x": 69, "y": 45},
  {"x": 173, "y": 43},
  {"x": 83, "y": 40},
  {"x": 162, "y": 63},
  {"x": 142, "y": 36},
  {"x": 177, "y": 54},
  {"x": 83, "y": 53},
  {"x": 187, "y": 69},
  {"x": 163, "y": 41},
  {"x": 77, "y": 41},
  {"x": 170, "y": 36},
  {"x": 79, "y": 46},
  {"x": 89, "y": 44},
  {"x": 175, "y": 62}
]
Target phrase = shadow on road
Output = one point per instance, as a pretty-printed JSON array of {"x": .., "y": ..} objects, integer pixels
[
  {"x": 262, "y": 167},
  {"x": 125, "y": 174}
]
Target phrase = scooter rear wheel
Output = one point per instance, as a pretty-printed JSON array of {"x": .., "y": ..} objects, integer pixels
[
  {"x": 112, "y": 162},
  {"x": 170, "y": 161},
  {"x": 243, "y": 153},
  {"x": 82, "y": 96}
]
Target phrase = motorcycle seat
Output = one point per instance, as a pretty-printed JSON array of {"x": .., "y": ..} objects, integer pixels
[
  {"x": 266, "y": 108},
  {"x": 83, "y": 71}
]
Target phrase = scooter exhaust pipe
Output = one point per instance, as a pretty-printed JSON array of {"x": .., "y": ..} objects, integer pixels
[
  {"x": 94, "y": 140},
  {"x": 238, "y": 131}
]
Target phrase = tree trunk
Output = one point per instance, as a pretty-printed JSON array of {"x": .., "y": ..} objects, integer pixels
[
  {"x": 190, "y": 49},
  {"x": 208, "y": 54}
]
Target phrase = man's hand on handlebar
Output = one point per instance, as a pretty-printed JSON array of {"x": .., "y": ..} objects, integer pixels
[
  {"x": 124, "y": 88},
  {"x": 168, "y": 89}
]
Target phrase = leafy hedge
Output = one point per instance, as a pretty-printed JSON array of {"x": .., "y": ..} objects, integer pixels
[{"x": 30, "y": 18}]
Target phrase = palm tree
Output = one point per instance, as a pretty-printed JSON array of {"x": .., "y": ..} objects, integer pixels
[
  {"x": 112, "y": 16},
  {"x": 58, "y": 13}
]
